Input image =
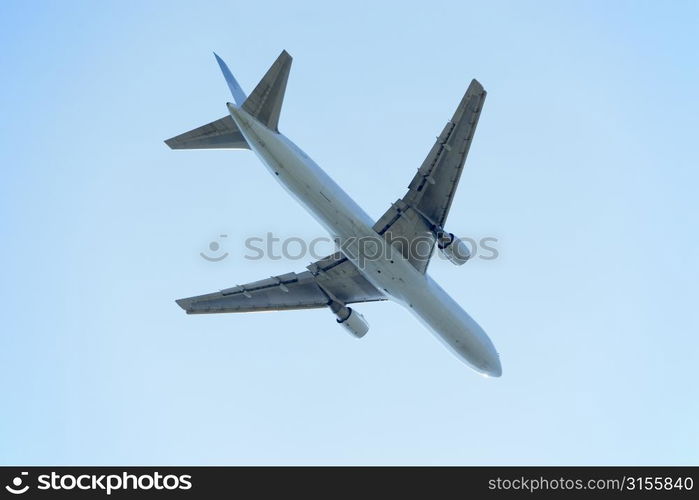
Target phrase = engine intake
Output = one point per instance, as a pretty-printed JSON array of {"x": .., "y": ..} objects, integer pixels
[
  {"x": 453, "y": 248},
  {"x": 351, "y": 320}
]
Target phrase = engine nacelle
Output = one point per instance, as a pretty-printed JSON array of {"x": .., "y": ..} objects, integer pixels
[
  {"x": 453, "y": 248},
  {"x": 352, "y": 321}
]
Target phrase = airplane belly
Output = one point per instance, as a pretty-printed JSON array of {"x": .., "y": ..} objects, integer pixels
[
  {"x": 306, "y": 182},
  {"x": 453, "y": 326}
]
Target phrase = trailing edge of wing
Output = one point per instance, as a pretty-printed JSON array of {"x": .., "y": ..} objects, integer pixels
[
  {"x": 432, "y": 189},
  {"x": 288, "y": 291},
  {"x": 220, "y": 134},
  {"x": 334, "y": 276},
  {"x": 426, "y": 205}
]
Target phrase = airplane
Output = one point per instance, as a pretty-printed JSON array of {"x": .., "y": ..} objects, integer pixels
[{"x": 376, "y": 260}]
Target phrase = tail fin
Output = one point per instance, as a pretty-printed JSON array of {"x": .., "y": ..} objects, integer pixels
[
  {"x": 265, "y": 102},
  {"x": 238, "y": 94}
]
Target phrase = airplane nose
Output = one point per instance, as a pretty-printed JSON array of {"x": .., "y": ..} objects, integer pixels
[{"x": 493, "y": 368}]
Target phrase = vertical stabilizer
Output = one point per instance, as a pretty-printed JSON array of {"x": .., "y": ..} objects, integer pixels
[{"x": 238, "y": 94}]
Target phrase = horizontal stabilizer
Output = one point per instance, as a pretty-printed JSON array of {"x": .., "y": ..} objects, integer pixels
[
  {"x": 220, "y": 134},
  {"x": 265, "y": 102}
]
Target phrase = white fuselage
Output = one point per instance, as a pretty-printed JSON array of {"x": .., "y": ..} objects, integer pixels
[{"x": 350, "y": 226}]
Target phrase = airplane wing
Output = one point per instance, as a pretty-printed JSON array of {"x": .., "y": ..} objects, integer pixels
[
  {"x": 426, "y": 205},
  {"x": 331, "y": 278}
]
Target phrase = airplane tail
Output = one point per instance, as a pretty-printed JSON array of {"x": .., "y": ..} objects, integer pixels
[
  {"x": 219, "y": 134},
  {"x": 264, "y": 104},
  {"x": 238, "y": 94}
]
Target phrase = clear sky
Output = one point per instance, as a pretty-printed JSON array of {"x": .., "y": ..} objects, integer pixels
[{"x": 584, "y": 166}]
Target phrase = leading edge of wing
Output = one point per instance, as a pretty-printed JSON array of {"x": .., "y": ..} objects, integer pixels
[{"x": 333, "y": 278}]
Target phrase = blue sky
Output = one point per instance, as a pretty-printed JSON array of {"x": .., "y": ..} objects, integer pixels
[{"x": 584, "y": 166}]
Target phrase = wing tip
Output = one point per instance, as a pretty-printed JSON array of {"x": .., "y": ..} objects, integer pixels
[
  {"x": 184, "y": 304},
  {"x": 476, "y": 86},
  {"x": 286, "y": 55}
]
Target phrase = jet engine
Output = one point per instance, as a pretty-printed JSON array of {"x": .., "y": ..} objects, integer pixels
[
  {"x": 453, "y": 248},
  {"x": 352, "y": 321}
]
